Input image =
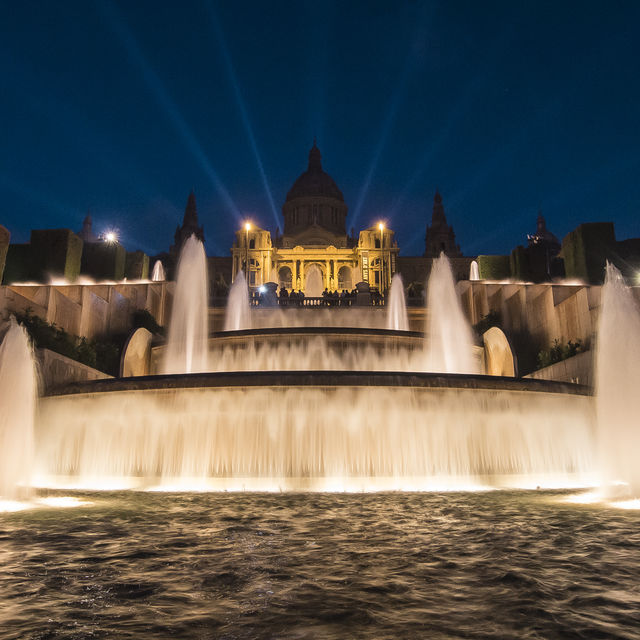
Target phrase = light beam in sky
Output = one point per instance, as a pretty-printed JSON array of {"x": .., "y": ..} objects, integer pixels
[
  {"x": 246, "y": 121},
  {"x": 154, "y": 83}
]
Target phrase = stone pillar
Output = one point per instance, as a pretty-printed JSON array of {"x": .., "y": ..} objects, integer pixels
[
  {"x": 4, "y": 247},
  {"x": 55, "y": 253},
  {"x": 136, "y": 265}
]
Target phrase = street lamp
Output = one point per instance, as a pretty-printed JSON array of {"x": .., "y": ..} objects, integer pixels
[
  {"x": 247, "y": 228},
  {"x": 381, "y": 227}
]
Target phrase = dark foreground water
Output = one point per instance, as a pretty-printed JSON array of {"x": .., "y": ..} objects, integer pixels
[{"x": 480, "y": 565}]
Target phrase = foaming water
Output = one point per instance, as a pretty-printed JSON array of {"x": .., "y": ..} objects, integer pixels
[
  {"x": 493, "y": 565},
  {"x": 397, "y": 307},
  {"x": 18, "y": 392},
  {"x": 186, "y": 350},
  {"x": 618, "y": 384},
  {"x": 238, "y": 313},
  {"x": 449, "y": 336},
  {"x": 319, "y": 353},
  {"x": 158, "y": 272},
  {"x": 340, "y": 438}
]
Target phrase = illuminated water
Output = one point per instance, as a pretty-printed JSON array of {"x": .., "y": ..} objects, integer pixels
[
  {"x": 158, "y": 272},
  {"x": 238, "y": 313},
  {"x": 449, "y": 335},
  {"x": 397, "y": 307},
  {"x": 618, "y": 384},
  {"x": 373, "y": 566},
  {"x": 18, "y": 391},
  {"x": 333, "y": 435},
  {"x": 314, "y": 282},
  {"x": 186, "y": 350}
]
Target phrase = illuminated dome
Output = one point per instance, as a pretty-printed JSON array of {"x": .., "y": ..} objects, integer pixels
[{"x": 315, "y": 181}]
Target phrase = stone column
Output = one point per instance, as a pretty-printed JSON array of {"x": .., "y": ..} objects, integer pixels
[{"x": 4, "y": 247}]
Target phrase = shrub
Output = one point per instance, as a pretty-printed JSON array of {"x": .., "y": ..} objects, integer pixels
[
  {"x": 558, "y": 352},
  {"x": 492, "y": 319}
]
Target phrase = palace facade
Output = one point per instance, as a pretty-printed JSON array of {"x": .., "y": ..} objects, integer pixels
[{"x": 314, "y": 252}]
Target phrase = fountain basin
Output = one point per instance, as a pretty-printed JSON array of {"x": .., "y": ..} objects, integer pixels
[{"x": 315, "y": 430}]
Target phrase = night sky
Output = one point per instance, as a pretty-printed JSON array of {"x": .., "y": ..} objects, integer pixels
[{"x": 121, "y": 108}]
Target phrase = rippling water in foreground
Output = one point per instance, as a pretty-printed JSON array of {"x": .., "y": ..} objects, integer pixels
[{"x": 456, "y": 565}]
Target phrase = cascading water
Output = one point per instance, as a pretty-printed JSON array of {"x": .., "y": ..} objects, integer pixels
[
  {"x": 618, "y": 384},
  {"x": 397, "y": 308},
  {"x": 319, "y": 437},
  {"x": 448, "y": 333},
  {"x": 238, "y": 313},
  {"x": 474, "y": 271},
  {"x": 18, "y": 391},
  {"x": 158, "y": 272},
  {"x": 267, "y": 426},
  {"x": 187, "y": 350}
]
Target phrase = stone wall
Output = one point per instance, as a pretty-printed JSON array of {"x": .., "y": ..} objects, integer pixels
[
  {"x": 136, "y": 265},
  {"x": 579, "y": 369},
  {"x": 418, "y": 269},
  {"x": 104, "y": 260},
  {"x": 89, "y": 310},
  {"x": 54, "y": 253},
  {"x": 533, "y": 316},
  {"x": 56, "y": 370}
]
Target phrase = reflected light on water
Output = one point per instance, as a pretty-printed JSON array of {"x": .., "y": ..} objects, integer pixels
[
  {"x": 10, "y": 506},
  {"x": 63, "y": 501},
  {"x": 626, "y": 504}
]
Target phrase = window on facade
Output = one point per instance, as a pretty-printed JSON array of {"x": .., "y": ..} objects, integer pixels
[
  {"x": 377, "y": 243},
  {"x": 252, "y": 243}
]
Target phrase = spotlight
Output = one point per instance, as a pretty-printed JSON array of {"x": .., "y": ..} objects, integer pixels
[
  {"x": 247, "y": 226},
  {"x": 110, "y": 237}
]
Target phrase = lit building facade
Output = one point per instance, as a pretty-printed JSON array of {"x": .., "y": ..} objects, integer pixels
[{"x": 314, "y": 251}]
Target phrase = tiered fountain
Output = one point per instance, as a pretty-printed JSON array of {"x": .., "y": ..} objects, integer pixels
[
  {"x": 311, "y": 403},
  {"x": 324, "y": 406}
]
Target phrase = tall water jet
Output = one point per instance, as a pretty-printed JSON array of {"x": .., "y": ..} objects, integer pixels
[
  {"x": 618, "y": 384},
  {"x": 158, "y": 272},
  {"x": 313, "y": 286},
  {"x": 238, "y": 314},
  {"x": 474, "y": 271},
  {"x": 18, "y": 390},
  {"x": 397, "y": 308},
  {"x": 448, "y": 333},
  {"x": 186, "y": 350}
]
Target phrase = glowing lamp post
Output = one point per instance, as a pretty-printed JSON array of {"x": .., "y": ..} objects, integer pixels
[
  {"x": 381, "y": 227},
  {"x": 247, "y": 228},
  {"x": 110, "y": 237}
]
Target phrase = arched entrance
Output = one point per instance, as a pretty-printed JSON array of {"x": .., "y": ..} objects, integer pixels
[
  {"x": 345, "y": 279},
  {"x": 285, "y": 278}
]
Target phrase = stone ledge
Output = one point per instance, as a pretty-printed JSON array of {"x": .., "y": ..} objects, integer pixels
[{"x": 276, "y": 379}]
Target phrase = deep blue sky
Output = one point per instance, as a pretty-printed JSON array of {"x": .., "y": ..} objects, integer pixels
[{"x": 506, "y": 107}]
